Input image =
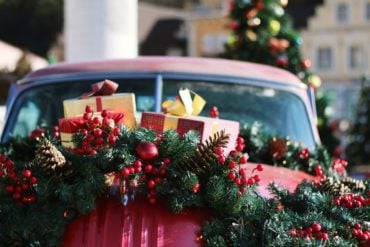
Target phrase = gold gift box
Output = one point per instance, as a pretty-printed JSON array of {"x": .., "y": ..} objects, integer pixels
[{"x": 122, "y": 102}]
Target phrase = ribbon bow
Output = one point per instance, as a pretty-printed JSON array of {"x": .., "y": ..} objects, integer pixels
[
  {"x": 101, "y": 88},
  {"x": 185, "y": 104}
]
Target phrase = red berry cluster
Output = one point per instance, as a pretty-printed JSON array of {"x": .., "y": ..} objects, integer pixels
[
  {"x": 56, "y": 132},
  {"x": 214, "y": 112},
  {"x": 304, "y": 154},
  {"x": 351, "y": 201},
  {"x": 19, "y": 185},
  {"x": 319, "y": 172},
  {"x": 153, "y": 174},
  {"x": 339, "y": 166},
  {"x": 238, "y": 174},
  {"x": 97, "y": 132},
  {"x": 359, "y": 233},
  {"x": 315, "y": 230}
]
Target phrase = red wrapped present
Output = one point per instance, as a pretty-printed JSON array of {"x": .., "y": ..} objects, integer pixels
[
  {"x": 70, "y": 126},
  {"x": 102, "y": 97},
  {"x": 205, "y": 126}
]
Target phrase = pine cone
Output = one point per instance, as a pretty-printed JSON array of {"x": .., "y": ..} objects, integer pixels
[
  {"x": 201, "y": 161},
  {"x": 51, "y": 160},
  {"x": 335, "y": 187},
  {"x": 354, "y": 184}
]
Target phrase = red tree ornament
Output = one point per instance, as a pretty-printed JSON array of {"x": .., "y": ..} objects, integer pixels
[{"x": 147, "y": 151}]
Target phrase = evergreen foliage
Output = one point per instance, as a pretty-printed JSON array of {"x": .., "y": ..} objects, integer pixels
[
  {"x": 262, "y": 32},
  {"x": 47, "y": 202},
  {"x": 358, "y": 150}
]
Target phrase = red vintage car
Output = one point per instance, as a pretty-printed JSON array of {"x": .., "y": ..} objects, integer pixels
[{"x": 242, "y": 91}]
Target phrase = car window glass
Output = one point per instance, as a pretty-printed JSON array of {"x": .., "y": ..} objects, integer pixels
[
  {"x": 43, "y": 105},
  {"x": 280, "y": 113}
]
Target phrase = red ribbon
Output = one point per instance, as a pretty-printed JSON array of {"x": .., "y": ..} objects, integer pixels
[
  {"x": 105, "y": 87},
  {"x": 71, "y": 125}
]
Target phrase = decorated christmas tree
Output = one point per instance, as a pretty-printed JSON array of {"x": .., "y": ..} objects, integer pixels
[
  {"x": 262, "y": 32},
  {"x": 358, "y": 150}
]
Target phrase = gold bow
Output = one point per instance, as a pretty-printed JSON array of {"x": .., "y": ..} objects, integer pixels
[{"x": 185, "y": 104}]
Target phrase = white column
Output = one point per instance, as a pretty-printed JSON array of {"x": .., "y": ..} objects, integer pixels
[{"x": 100, "y": 29}]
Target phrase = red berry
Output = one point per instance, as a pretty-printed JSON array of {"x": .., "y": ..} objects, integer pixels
[
  {"x": 232, "y": 175},
  {"x": 96, "y": 120},
  {"x": 293, "y": 232},
  {"x": 89, "y": 109},
  {"x": 116, "y": 131},
  {"x": 256, "y": 178},
  {"x": 112, "y": 139},
  {"x": 27, "y": 173},
  {"x": 166, "y": 161},
  {"x": 163, "y": 171},
  {"x": 357, "y": 226},
  {"x": 231, "y": 164},
  {"x": 151, "y": 184},
  {"x": 138, "y": 163},
  {"x": 219, "y": 151},
  {"x": 157, "y": 180},
  {"x": 138, "y": 169},
  {"x": 90, "y": 138},
  {"x": 9, "y": 188},
  {"x": 243, "y": 159},
  {"x": 244, "y": 180},
  {"x": 87, "y": 116},
  {"x": 148, "y": 168},
  {"x": 99, "y": 141},
  {"x": 355, "y": 232},
  {"x": 238, "y": 181},
  {"x": 16, "y": 196},
  {"x": 152, "y": 200},
  {"x": 98, "y": 132},
  {"x": 104, "y": 113},
  {"x": 152, "y": 192},
  {"x": 196, "y": 187},
  {"x": 106, "y": 121},
  {"x": 18, "y": 188},
  {"x": 25, "y": 186},
  {"x": 239, "y": 147},
  {"x": 259, "y": 167},
  {"x": 240, "y": 140},
  {"x": 221, "y": 159},
  {"x": 250, "y": 181},
  {"x": 357, "y": 204},
  {"x": 309, "y": 230},
  {"x": 316, "y": 227},
  {"x": 325, "y": 236},
  {"x": 242, "y": 189},
  {"x": 132, "y": 170},
  {"x": 125, "y": 172},
  {"x": 233, "y": 153},
  {"x": 242, "y": 172}
]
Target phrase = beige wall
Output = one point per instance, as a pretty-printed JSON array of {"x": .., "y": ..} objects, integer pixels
[
  {"x": 324, "y": 30},
  {"x": 202, "y": 31}
]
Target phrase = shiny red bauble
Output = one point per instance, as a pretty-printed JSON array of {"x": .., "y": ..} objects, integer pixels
[{"x": 147, "y": 151}]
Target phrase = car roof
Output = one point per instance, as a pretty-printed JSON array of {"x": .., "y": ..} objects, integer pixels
[{"x": 211, "y": 66}]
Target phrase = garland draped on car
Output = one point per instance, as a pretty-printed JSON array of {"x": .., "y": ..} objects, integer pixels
[{"x": 44, "y": 186}]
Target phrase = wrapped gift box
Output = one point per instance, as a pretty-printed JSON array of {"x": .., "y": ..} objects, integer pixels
[
  {"x": 70, "y": 126},
  {"x": 124, "y": 102},
  {"x": 205, "y": 126}
]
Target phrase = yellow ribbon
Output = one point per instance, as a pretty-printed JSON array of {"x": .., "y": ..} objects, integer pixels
[{"x": 185, "y": 104}]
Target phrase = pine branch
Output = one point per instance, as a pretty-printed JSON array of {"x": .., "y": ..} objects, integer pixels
[{"x": 201, "y": 161}]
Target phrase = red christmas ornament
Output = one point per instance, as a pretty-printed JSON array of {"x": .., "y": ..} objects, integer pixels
[
  {"x": 277, "y": 148},
  {"x": 306, "y": 63},
  {"x": 37, "y": 133},
  {"x": 214, "y": 112},
  {"x": 147, "y": 151}
]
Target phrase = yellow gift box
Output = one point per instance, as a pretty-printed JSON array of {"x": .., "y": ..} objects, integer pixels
[{"x": 122, "y": 102}]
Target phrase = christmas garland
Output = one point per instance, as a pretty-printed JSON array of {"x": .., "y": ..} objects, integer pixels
[
  {"x": 278, "y": 151},
  {"x": 47, "y": 186}
]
